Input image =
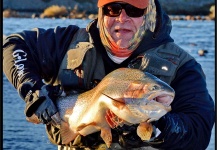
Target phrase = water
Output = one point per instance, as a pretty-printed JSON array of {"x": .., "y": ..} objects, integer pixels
[{"x": 21, "y": 135}]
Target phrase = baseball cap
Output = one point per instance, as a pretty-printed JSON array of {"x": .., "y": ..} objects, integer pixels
[{"x": 137, "y": 3}]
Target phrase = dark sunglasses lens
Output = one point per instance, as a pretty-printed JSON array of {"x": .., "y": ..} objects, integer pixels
[
  {"x": 133, "y": 11},
  {"x": 112, "y": 10}
]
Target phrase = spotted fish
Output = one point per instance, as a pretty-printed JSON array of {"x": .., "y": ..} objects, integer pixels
[{"x": 131, "y": 95}]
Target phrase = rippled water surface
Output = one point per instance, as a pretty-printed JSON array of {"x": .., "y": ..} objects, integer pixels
[{"x": 20, "y": 135}]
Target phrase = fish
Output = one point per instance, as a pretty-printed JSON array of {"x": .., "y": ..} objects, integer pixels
[{"x": 124, "y": 96}]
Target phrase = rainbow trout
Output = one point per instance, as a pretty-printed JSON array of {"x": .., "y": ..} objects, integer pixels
[{"x": 133, "y": 97}]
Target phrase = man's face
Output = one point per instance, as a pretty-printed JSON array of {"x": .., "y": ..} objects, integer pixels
[{"x": 122, "y": 28}]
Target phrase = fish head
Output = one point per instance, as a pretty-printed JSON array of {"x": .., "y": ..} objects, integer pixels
[
  {"x": 156, "y": 89},
  {"x": 146, "y": 96},
  {"x": 133, "y": 83},
  {"x": 149, "y": 98}
]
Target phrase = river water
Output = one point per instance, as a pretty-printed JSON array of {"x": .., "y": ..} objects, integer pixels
[{"x": 18, "y": 134}]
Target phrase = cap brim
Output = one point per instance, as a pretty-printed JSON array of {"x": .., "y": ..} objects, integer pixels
[{"x": 137, "y": 3}]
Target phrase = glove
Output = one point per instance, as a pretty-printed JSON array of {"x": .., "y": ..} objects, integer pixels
[
  {"x": 171, "y": 127},
  {"x": 40, "y": 101}
]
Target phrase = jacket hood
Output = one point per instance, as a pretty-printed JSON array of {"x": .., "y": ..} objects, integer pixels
[
  {"x": 161, "y": 33},
  {"x": 163, "y": 24},
  {"x": 159, "y": 36}
]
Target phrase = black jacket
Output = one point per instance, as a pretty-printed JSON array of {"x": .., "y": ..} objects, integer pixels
[{"x": 37, "y": 54}]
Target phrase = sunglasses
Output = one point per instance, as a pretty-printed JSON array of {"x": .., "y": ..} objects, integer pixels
[{"x": 115, "y": 9}]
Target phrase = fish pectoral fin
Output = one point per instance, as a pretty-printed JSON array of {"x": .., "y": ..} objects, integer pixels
[
  {"x": 106, "y": 136},
  {"x": 144, "y": 131},
  {"x": 67, "y": 134}
]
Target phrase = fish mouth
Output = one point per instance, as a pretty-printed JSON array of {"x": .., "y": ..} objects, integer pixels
[{"x": 165, "y": 98}]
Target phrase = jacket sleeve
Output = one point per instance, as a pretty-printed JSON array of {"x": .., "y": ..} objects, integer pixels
[
  {"x": 188, "y": 126},
  {"x": 35, "y": 55}
]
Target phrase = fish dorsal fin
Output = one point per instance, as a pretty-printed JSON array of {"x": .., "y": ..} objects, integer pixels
[{"x": 67, "y": 135}]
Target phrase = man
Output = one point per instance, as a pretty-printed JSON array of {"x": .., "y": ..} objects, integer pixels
[{"x": 127, "y": 33}]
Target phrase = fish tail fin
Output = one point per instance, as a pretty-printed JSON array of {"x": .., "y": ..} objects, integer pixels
[
  {"x": 67, "y": 135},
  {"x": 144, "y": 131}
]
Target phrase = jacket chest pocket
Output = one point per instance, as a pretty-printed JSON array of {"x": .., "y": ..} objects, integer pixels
[
  {"x": 162, "y": 67},
  {"x": 74, "y": 70}
]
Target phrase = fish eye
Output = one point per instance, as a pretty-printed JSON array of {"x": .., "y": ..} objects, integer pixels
[{"x": 154, "y": 87}]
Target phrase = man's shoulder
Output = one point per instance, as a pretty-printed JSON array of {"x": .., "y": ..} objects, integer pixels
[
  {"x": 69, "y": 27},
  {"x": 171, "y": 48}
]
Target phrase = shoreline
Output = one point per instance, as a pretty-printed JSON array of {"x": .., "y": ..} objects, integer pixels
[{"x": 8, "y": 13}]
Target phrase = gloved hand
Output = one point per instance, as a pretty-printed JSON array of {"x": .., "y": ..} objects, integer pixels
[
  {"x": 170, "y": 125},
  {"x": 40, "y": 101}
]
